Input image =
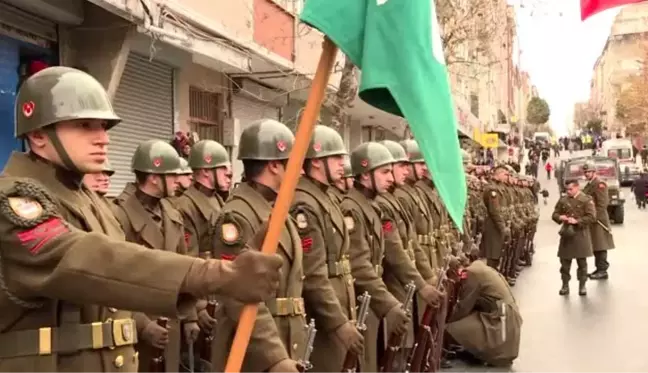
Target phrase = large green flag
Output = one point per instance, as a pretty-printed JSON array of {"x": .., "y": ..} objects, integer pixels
[{"x": 397, "y": 45}]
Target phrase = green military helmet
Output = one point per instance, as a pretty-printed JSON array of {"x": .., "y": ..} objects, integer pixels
[
  {"x": 413, "y": 151},
  {"x": 369, "y": 156},
  {"x": 266, "y": 140},
  {"x": 184, "y": 167},
  {"x": 326, "y": 142},
  {"x": 208, "y": 154},
  {"x": 59, "y": 94},
  {"x": 589, "y": 166},
  {"x": 397, "y": 151},
  {"x": 156, "y": 157},
  {"x": 348, "y": 171},
  {"x": 107, "y": 168},
  {"x": 466, "y": 157}
]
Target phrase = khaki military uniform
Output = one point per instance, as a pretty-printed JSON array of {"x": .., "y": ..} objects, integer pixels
[
  {"x": 155, "y": 224},
  {"x": 441, "y": 224},
  {"x": 279, "y": 331},
  {"x": 575, "y": 243},
  {"x": 328, "y": 287},
  {"x": 485, "y": 306},
  {"x": 601, "y": 230},
  {"x": 53, "y": 275},
  {"x": 495, "y": 223},
  {"x": 200, "y": 207},
  {"x": 367, "y": 252}
]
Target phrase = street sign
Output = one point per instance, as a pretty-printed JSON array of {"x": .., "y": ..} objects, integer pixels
[{"x": 489, "y": 140}]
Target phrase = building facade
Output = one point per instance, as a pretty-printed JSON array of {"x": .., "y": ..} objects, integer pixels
[
  {"x": 210, "y": 67},
  {"x": 620, "y": 58}
]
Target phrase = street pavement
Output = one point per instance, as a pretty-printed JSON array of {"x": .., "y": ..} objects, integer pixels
[{"x": 603, "y": 331}]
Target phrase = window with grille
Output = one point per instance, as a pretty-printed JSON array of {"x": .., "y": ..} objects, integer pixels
[{"x": 206, "y": 114}]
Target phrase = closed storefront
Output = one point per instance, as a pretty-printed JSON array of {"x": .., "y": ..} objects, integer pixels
[
  {"x": 28, "y": 43},
  {"x": 144, "y": 101}
]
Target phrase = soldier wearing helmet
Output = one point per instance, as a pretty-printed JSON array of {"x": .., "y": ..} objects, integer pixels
[
  {"x": 601, "y": 231},
  {"x": 343, "y": 185},
  {"x": 412, "y": 200},
  {"x": 371, "y": 165},
  {"x": 148, "y": 218},
  {"x": 278, "y": 339},
  {"x": 185, "y": 177},
  {"x": 442, "y": 234},
  {"x": 46, "y": 220},
  {"x": 200, "y": 205},
  {"x": 328, "y": 288},
  {"x": 99, "y": 182},
  {"x": 497, "y": 231},
  {"x": 403, "y": 256}
]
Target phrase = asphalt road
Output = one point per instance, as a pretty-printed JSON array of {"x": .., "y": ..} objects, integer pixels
[{"x": 604, "y": 331}]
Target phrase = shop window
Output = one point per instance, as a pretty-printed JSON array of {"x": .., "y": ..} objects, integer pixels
[{"x": 206, "y": 114}]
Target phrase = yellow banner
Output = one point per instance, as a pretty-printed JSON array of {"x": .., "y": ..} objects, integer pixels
[{"x": 489, "y": 140}]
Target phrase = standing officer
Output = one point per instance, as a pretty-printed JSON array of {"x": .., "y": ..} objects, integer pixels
[
  {"x": 65, "y": 263},
  {"x": 576, "y": 213},
  {"x": 279, "y": 337},
  {"x": 497, "y": 234},
  {"x": 601, "y": 230},
  {"x": 148, "y": 218},
  {"x": 328, "y": 287},
  {"x": 372, "y": 167},
  {"x": 99, "y": 182}
]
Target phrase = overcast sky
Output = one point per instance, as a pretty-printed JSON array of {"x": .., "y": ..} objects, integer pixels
[{"x": 559, "y": 52}]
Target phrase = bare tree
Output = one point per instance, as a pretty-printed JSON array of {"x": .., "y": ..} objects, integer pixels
[{"x": 345, "y": 94}]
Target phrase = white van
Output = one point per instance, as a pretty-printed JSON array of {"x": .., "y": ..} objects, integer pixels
[{"x": 621, "y": 150}]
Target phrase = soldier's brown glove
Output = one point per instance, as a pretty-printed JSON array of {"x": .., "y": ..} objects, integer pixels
[
  {"x": 191, "y": 331},
  {"x": 285, "y": 365},
  {"x": 349, "y": 336},
  {"x": 156, "y": 335},
  {"x": 431, "y": 295},
  {"x": 255, "y": 276},
  {"x": 397, "y": 320},
  {"x": 206, "y": 322}
]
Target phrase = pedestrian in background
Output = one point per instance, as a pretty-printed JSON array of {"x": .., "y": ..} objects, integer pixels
[{"x": 548, "y": 168}]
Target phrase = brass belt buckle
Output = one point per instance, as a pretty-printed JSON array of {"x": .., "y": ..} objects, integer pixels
[{"x": 123, "y": 332}]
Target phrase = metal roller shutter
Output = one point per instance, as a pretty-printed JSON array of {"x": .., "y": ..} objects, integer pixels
[
  {"x": 144, "y": 101},
  {"x": 247, "y": 111}
]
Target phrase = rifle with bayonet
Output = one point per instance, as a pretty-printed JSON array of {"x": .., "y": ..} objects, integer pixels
[
  {"x": 304, "y": 364},
  {"x": 396, "y": 342},
  {"x": 351, "y": 359},
  {"x": 427, "y": 332}
]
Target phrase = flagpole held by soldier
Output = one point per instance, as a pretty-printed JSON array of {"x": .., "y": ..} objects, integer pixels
[{"x": 48, "y": 220}]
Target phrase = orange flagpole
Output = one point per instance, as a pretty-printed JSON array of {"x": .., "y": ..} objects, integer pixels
[{"x": 286, "y": 194}]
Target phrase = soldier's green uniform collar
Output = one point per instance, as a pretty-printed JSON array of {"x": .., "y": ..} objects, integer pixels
[
  {"x": 265, "y": 191},
  {"x": 324, "y": 187},
  {"x": 146, "y": 199},
  {"x": 369, "y": 193},
  {"x": 69, "y": 178},
  {"x": 209, "y": 192}
]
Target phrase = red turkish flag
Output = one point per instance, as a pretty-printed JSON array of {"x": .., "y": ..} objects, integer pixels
[{"x": 591, "y": 7}]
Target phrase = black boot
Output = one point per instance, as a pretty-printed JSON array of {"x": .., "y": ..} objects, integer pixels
[
  {"x": 564, "y": 290},
  {"x": 599, "y": 275},
  {"x": 582, "y": 290}
]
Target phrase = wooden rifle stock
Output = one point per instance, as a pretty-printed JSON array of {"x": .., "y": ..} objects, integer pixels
[
  {"x": 158, "y": 362},
  {"x": 351, "y": 359},
  {"x": 395, "y": 343}
]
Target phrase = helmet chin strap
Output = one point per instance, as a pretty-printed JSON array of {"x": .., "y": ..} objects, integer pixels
[{"x": 50, "y": 132}]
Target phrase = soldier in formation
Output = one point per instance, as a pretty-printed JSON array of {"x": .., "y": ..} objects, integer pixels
[
  {"x": 68, "y": 276},
  {"x": 372, "y": 224}
]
